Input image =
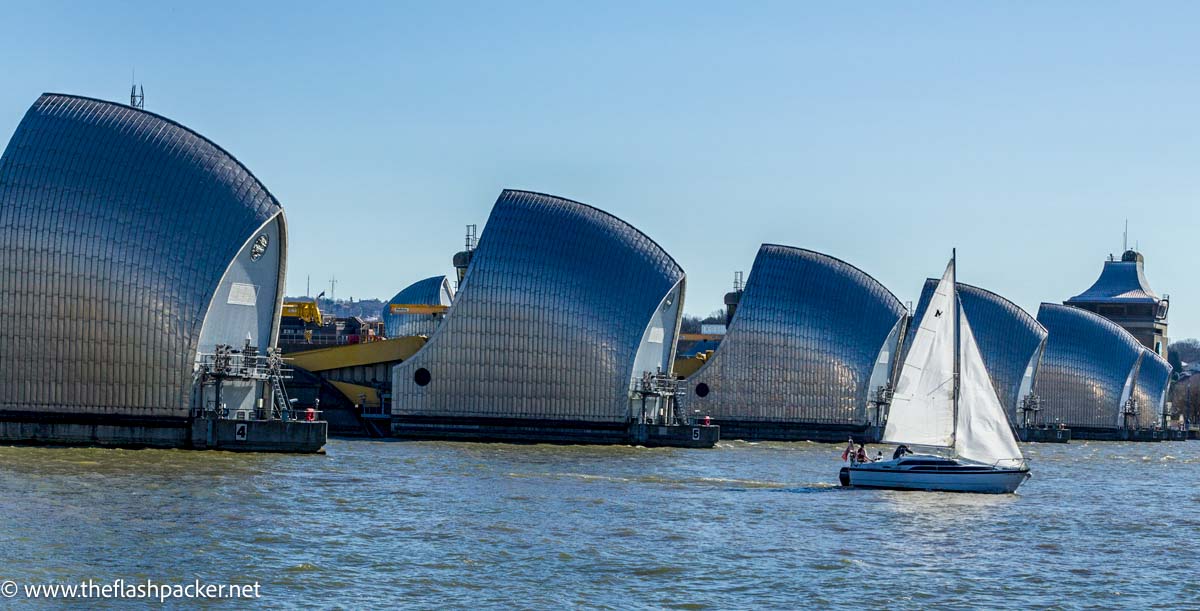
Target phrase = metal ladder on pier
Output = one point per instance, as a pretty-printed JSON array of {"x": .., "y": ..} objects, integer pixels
[{"x": 282, "y": 405}]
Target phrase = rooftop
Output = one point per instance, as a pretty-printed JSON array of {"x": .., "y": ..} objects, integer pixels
[{"x": 1121, "y": 281}]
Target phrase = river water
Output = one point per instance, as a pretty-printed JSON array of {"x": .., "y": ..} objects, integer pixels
[{"x": 452, "y": 525}]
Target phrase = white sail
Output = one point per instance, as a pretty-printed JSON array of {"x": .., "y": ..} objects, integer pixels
[
  {"x": 983, "y": 433},
  {"x": 922, "y": 408}
]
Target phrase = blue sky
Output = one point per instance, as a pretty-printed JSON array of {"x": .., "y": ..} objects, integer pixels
[{"x": 881, "y": 133}]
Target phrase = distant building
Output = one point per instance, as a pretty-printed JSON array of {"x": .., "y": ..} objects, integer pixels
[
  {"x": 712, "y": 331},
  {"x": 1122, "y": 295},
  {"x": 300, "y": 333}
]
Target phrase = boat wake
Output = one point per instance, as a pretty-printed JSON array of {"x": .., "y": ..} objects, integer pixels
[{"x": 813, "y": 488}]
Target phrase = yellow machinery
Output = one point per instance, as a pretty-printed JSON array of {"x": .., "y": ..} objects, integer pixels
[
  {"x": 341, "y": 362},
  {"x": 418, "y": 308},
  {"x": 365, "y": 397},
  {"x": 700, "y": 337},
  {"x": 304, "y": 310},
  {"x": 685, "y": 367},
  {"x": 353, "y": 355}
]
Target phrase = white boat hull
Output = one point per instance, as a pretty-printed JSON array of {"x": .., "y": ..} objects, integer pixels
[{"x": 934, "y": 473}]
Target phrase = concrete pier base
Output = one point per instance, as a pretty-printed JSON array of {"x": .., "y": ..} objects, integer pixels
[
  {"x": 1044, "y": 435},
  {"x": 148, "y": 434},
  {"x": 510, "y": 430},
  {"x": 183, "y": 433},
  {"x": 675, "y": 436},
  {"x": 292, "y": 436},
  {"x": 1096, "y": 434},
  {"x": 797, "y": 431},
  {"x": 521, "y": 430}
]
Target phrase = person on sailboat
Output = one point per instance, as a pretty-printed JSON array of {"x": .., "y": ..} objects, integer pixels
[
  {"x": 901, "y": 451},
  {"x": 848, "y": 453},
  {"x": 861, "y": 456}
]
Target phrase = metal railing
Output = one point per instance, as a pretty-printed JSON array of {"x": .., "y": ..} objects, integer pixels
[
  {"x": 303, "y": 415},
  {"x": 225, "y": 363}
]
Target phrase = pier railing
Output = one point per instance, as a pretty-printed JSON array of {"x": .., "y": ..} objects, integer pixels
[
  {"x": 227, "y": 363},
  {"x": 303, "y": 415}
]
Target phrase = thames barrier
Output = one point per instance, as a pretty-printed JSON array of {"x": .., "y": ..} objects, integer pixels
[
  {"x": 599, "y": 306},
  {"x": 169, "y": 325}
]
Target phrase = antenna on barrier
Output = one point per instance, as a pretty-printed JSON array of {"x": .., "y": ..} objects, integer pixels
[
  {"x": 462, "y": 259},
  {"x": 472, "y": 237},
  {"x": 137, "y": 94},
  {"x": 733, "y": 298}
]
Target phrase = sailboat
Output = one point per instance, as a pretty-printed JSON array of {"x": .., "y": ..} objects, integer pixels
[{"x": 945, "y": 402}]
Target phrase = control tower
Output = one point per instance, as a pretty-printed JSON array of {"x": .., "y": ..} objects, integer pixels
[{"x": 1122, "y": 295}]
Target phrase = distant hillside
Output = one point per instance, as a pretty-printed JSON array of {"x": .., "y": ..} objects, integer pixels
[
  {"x": 692, "y": 323},
  {"x": 1182, "y": 353}
]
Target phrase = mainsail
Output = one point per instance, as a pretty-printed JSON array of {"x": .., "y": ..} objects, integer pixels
[
  {"x": 922, "y": 407},
  {"x": 983, "y": 433}
]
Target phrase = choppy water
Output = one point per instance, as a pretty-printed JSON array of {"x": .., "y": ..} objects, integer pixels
[{"x": 472, "y": 525}]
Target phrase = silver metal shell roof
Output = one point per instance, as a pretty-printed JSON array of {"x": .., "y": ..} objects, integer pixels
[
  {"x": 1087, "y": 368},
  {"x": 1119, "y": 282},
  {"x": 1150, "y": 390},
  {"x": 802, "y": 344},
  {"x": 435, "y": 290},
  {"x": 116, "y": 226},
  {"x": 549, "y": 320}
]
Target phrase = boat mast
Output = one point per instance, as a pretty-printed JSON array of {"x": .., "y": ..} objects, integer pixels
[{"x": 954, "y": 338}]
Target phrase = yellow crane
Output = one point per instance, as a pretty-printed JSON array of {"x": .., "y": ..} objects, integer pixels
[{"x": 304, "y": 310}]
